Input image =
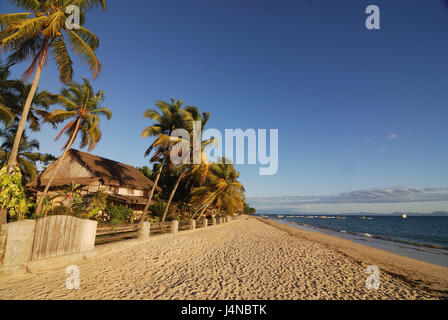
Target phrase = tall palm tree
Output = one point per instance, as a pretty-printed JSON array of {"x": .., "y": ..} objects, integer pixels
[
  {"x": 169, "y": 117},
  {"x": 223, "y": 190},
  {"x": 184, "y": 169},
  {"x": 198, "y": 172},
  {"x": 39, "y": 32},
  {"x": 27, "y": 156},
  {"x": 82, "y": 109}
]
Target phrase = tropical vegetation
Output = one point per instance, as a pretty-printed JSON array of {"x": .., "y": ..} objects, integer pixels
[
  {"x": 39, "y": 32},
  {"x": 188, "y": 190},
  {"x": 82, "y": 110}
]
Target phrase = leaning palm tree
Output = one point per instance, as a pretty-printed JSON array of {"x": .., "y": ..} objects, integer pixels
[
  {"x": 43, "y": 31},
  {"x": 223, "y": 190},
  {"x": 82, "y": 109},
  {"x": 169, "y": 117},
  {"x": 27, "y": 156}
]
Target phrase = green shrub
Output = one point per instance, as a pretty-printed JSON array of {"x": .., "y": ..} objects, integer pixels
[
  {"x": 158, "y": 208},
  {"x": 12, "y": 195},
  {"x": 119, "y": 213}
]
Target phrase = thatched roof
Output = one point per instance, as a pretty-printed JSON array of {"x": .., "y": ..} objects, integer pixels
[{"x": 110, "y": 172}]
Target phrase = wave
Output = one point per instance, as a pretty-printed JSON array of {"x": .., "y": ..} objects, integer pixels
[{"x": 413, "y": 243}]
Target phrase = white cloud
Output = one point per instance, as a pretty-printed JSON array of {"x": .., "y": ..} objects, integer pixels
[
  {"x": 372, "y": 196},
  {"x": 392, "y": 136}
]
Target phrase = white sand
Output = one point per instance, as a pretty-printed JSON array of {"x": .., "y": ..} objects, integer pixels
[{"x": 245, "y": 259}]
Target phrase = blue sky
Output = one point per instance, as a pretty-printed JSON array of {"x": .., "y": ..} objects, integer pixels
[{"x": 356, "y": 109}]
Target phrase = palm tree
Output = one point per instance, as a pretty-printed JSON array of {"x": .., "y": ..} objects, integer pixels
[
  {"x": 82, "y": 108},
  {"x": 27, "y": 156},
  {"x": 184, "y": 169},
  {"x": 39, "y": 32},
  {"x": 169, "y": 117},
  {"x": 7, "y": 95},
  {"x": 223, "y": 190},
  {"x": 198, "y": 172},
  {"x": 13, "y": 94},
  {"x": 38, "y": 112}
]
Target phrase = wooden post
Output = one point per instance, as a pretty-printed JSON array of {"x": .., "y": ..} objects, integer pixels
[
  {"x": 174, "y": 226},
  {"x": 204, "y": 222},
  {"x": 193, "y": 224},
  {"x": 144, "y": 230},
  {"x": 213, "y": 221},
  {"x": 2, "y": 216}
]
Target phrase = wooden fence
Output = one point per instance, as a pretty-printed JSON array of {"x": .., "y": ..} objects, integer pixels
[
  {"x": 33, "y": 241},
  {"x": 108, "y": 234}
]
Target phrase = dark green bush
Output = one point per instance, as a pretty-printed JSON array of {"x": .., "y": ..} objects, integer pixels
[{"x": 119, "y": 213}]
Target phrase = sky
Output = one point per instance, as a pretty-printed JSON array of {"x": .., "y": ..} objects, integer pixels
[{"x": 356, "y": 110}]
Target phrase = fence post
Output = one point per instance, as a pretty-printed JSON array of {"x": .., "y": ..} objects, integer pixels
[
  {"x": 2, "y": 216},
  {"x": 192, "y": 224},
  {"x": 213, "y": 221},
  {"x": 204, "y": 222},
  {"x": 144, "y": 228},
  {"x": 174, "y": 226}
]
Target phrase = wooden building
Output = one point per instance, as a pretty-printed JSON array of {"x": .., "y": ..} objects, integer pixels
[{"x": 124, "y": 184}]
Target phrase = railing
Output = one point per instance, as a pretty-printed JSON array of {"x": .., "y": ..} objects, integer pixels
[
  {"x": 144, "y": 230},
  {"x": 118, "y": 233},
  {"x": 161, "y": 228},
  {"x": 33, "y": 241}
]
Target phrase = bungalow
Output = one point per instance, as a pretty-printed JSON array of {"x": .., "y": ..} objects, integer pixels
[{"x": 124, "y": 183}]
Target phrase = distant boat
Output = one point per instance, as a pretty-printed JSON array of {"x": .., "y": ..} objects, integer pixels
[{"x": 404, "y": 216}]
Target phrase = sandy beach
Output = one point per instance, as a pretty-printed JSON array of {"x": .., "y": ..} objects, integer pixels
[{"x": 246, "y": 259}]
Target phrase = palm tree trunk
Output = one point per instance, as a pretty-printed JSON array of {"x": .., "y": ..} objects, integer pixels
[
  {"x": 209, "y": 203},
  {"x": 172, "y": 194},
  {"x": 202, "y": 206},
  {"x": 151, "y": 194},
  {"x": 26, "y": 109},
  {"x": 203, "y": 210},
  {"x": 58, "y": 164}
]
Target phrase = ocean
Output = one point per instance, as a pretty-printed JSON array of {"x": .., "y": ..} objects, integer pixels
[{"x": 418, "y": 237}]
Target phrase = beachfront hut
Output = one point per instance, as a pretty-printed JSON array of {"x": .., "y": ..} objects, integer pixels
[{"x": 124, "y": 184}]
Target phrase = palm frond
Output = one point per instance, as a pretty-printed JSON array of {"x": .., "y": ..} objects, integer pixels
[
  {"x": 86, "y": 53},
  {"x": 62, "y": 58}
]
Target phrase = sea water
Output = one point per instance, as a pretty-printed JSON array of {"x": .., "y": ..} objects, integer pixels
[{"x": 418, "y": 237}]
